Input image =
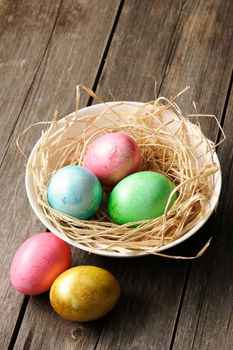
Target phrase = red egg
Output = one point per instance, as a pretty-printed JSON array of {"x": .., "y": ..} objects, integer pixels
[
  {"x": 38, "y": 262},
  {"x": 113, "y": 156}
]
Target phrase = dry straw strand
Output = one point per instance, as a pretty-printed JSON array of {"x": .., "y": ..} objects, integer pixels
[{"x": 168, "y": 142}]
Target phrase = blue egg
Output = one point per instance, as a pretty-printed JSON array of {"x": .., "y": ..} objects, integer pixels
[{"x": 75, "y": 191}]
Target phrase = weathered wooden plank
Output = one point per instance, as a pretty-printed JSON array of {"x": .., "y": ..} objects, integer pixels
[
  {"x": 39, "y": 325},
  {"x": 73, "y": 55},
  {"x": 140, "y": 50},
  {"x": 202, "y": 58},
  {"x": 204, "y": 62},
  {"x": 206, "y": 315},
  {"x": 43, "y": 329},
  {"x": 206, "y": 66},
  {"x": 152, "y": 287},
  {"x": 25, "y": 28}
]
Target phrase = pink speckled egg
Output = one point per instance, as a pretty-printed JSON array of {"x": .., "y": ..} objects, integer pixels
[
  {"x": 38, "y": 262},
  {"x": 111, "y": 157}
]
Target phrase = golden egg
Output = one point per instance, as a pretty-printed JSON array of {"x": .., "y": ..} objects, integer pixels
[{"x": 84, "y": 293}]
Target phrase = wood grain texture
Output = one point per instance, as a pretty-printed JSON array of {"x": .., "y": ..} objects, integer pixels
[
  {"x": 63, "y": 66},
  {"x": 148, "y": 36},
  {"x": 25, "y": 29},
  {"x": 43, "y": 333},
  {"x": 205, "y": 315},
  {"x": 206, "y": 319},
  {"x": 206, "y": 64},
  {"x": 202, "y": 58},
  {"x": 140, "y": 50}
]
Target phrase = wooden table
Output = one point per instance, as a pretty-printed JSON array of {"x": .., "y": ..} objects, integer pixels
[{"x": 117, "y": 46}]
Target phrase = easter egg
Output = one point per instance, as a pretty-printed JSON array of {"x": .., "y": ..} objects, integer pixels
[
  {"x": 38, "y": 262},
  {"x": 140, "y": 196},
  {"x": 111, "y": 157},
  {"x": 84, "y": 293},
  {"x": 75, "y": 191}
]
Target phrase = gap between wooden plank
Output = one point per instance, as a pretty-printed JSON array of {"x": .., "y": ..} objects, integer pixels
[
  {"x": 191, "y": 262},
  {"x": 96, "y": 344},
  {"x": 15, "y": 54},
  {"x": 218, "y": 137},
  {"x": 26, "y": 298},
  {"x": 208, "y": 306},
  {"x": 225, "y": 108},
  {"x": 18, "y": 323},
  {"x": 101, "y": 66},
  {"x": 102, "y": 62},
  {"x": 177, "y": 27}
]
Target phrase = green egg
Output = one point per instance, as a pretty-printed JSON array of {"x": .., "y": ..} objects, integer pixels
[{"x": 140, "y": 196}]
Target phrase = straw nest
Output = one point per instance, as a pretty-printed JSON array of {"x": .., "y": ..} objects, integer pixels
[{"x": 169, "y": 144}]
